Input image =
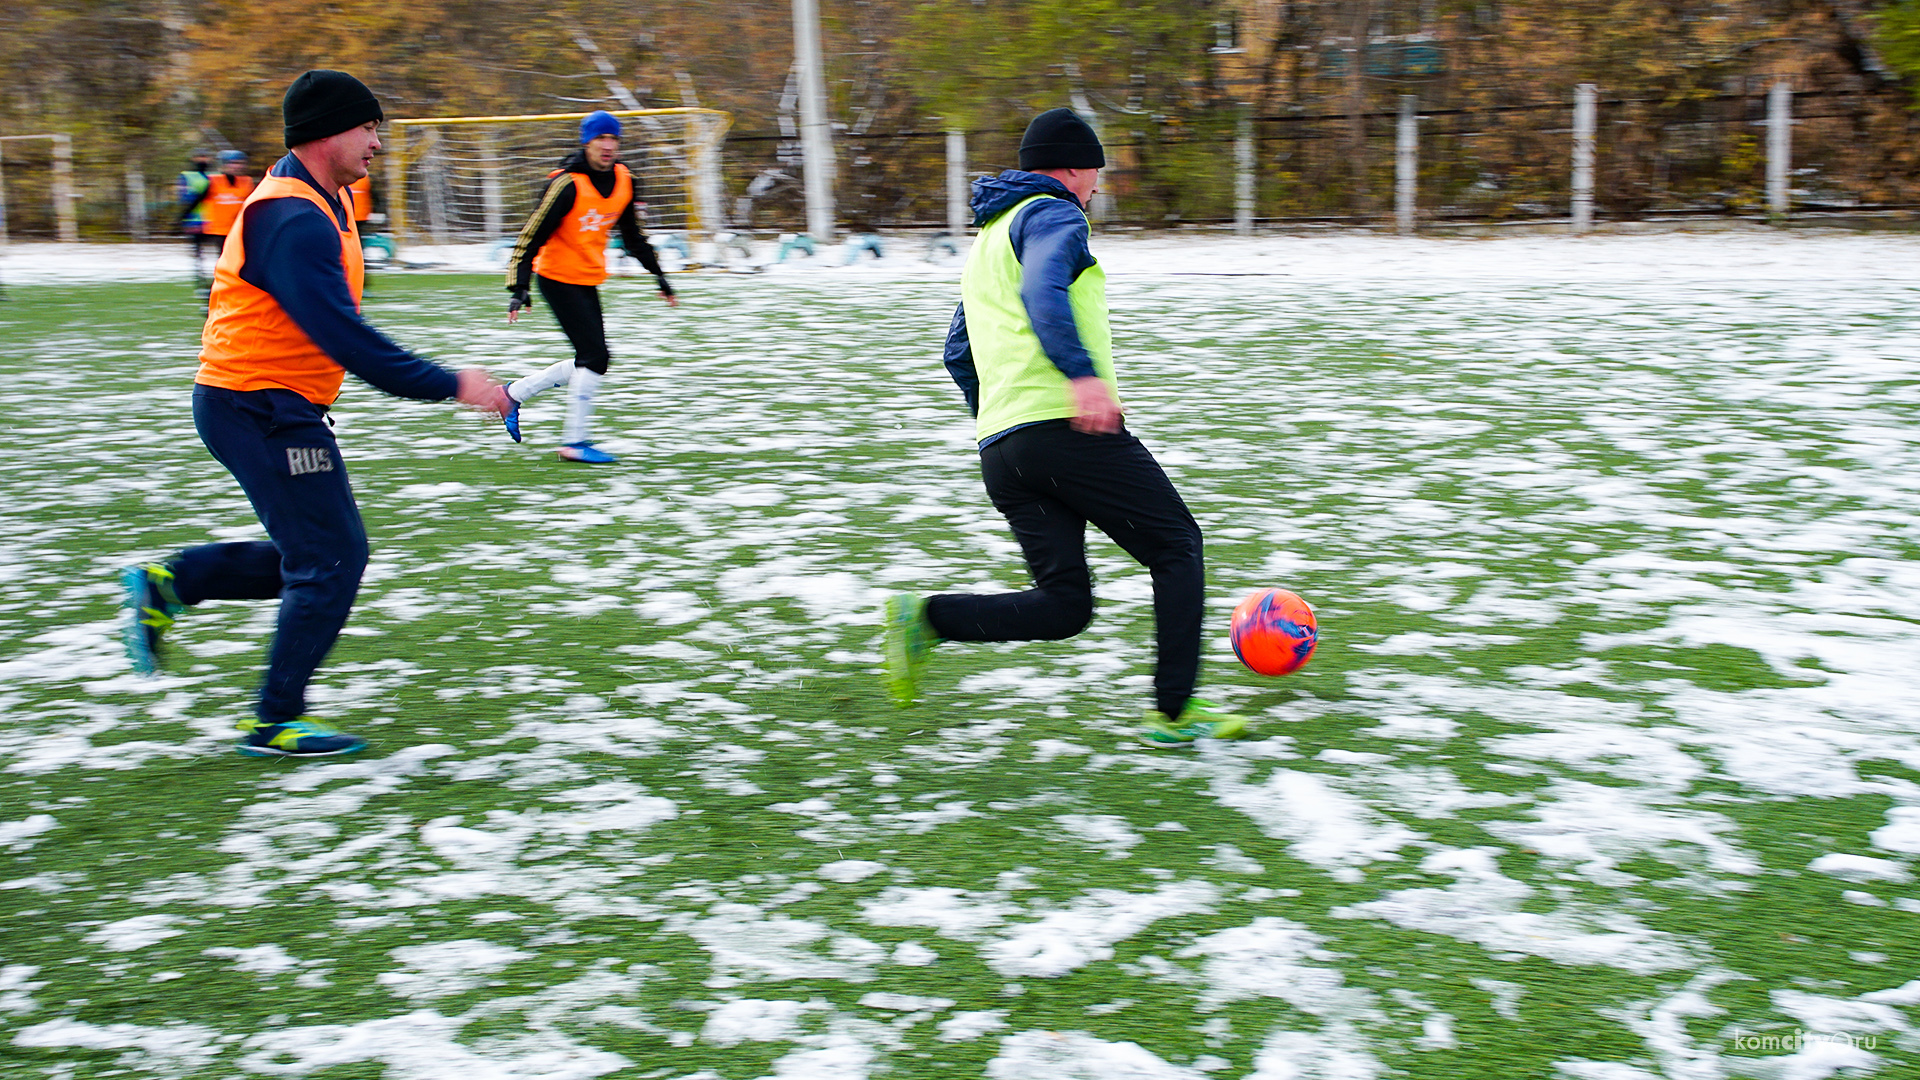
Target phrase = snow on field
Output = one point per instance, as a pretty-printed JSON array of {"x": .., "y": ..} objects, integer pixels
[
  {"x": 1606, "y": 769},
  {"x": 1756, "y": 256}
]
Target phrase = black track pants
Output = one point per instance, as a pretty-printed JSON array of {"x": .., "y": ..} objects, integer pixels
[
  {"x": 577, "y": 309},
  {"x": 1050, "y": 481}
]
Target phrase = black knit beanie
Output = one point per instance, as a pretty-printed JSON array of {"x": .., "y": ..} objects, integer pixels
[
  {"x": 322, "y": 103},
  {"x": 1059, "y": 139}
]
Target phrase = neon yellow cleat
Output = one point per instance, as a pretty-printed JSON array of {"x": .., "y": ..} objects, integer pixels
[
  {"x": 909, "y": 638},
  {"x": 1199, "y": 720}
]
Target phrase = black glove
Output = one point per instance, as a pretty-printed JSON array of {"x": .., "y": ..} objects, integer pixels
[{"x": 521, "y": 299}]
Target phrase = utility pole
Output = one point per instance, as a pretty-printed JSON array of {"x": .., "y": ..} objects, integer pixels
[
  {"x": 1585, "y": 101},
  {"x": 1779, "y": 147},
  {"x": 1243, "y": 178},
  {"x": 1407, "y": 164},
  {"x": 957, "y": 186},
  {"x": 816, "y": 137},
  {"x": 136, "y": 200}
]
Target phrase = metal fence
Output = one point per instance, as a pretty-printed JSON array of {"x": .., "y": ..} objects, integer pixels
[
  {"x": 1497, "y": 164},
  {"x": 1513, "y": 163}
]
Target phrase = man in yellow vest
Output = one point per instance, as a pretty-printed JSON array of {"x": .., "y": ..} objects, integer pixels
[
  {"x": 564, "y": 245},
  {"x": 1031, "y": 351},
  {"x": 192, "y": 188},
  {"x": 283, "y": 330}
]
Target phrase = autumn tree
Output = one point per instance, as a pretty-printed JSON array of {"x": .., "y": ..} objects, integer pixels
[
  {"x": 1140, "y": 68},
  {"x": 99, "y": 71},
  {"x": 1896, "y": 33},
  {"x": 140, "y": 82}
]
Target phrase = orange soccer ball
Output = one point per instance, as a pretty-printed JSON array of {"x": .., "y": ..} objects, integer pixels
[{"x": 1274, "y": 632}]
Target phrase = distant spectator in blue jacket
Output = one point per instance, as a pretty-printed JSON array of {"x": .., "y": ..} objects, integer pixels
[{"x": 191, "y": 190}]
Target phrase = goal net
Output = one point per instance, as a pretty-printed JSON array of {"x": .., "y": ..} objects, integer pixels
[{"x": 476, "y": 178}]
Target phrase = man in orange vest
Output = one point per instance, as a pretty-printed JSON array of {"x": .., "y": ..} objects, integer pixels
[
  {"x": 564, "y": 244},
  {"x": 283, "y": 330},
  {"x": 227, "y": 191}
]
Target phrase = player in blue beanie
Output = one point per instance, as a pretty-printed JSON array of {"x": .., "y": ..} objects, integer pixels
[
  {"x": 562, "y": 251},
  {"x": 597, "y": 124}
]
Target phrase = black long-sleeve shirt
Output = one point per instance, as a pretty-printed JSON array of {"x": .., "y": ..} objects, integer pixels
[{"x": 541, "y": 226}]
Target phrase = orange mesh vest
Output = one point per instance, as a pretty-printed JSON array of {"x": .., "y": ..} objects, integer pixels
[
  {"x": 576, "y": 253},
  {"x": 225, "y": 195},
  {"x": 250, "y": 343},
  {"x": 362, "y": 197}
]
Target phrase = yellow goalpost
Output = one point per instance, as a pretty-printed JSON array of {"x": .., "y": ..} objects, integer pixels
[{"x": 454, "y": 179}]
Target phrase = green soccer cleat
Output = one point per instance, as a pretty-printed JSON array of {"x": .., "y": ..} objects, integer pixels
[
  {"x": 151, "y": 605},
  {"x": 1199, "y": 720},
  {"x": 301, "y": 738},
  {"x": 909, "y": 638}
]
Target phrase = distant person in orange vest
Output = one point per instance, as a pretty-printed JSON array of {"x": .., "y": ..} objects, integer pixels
[
  {"x": 283, "y": 330},
  {"x": 564, "y": 245},
  {"x": 227, "y": 191},
  {"x": 362, "y": 190}
]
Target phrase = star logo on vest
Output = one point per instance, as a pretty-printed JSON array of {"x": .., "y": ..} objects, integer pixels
[
  {"x": 308, "y": 459},
  {"x": 593, "y": 221}
]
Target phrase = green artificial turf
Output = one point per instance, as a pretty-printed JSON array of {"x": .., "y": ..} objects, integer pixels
[{"x": 1614, "y": 612}]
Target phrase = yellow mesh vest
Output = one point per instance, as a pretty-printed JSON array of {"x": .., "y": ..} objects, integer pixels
[{"x": 1018, "y": 384}]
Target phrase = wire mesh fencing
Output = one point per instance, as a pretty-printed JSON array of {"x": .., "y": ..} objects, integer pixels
[
  {"x": 1509, "y": 163},
  {"x": 1850, "y": 153}
]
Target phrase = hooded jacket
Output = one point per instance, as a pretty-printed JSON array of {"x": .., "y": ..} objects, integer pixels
[{"x": 1050, "y": 241}]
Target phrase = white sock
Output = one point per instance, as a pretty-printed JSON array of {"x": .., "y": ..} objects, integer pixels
[
  {"x": 580, "y": 390},
  {"x": 522, "y": 390}
]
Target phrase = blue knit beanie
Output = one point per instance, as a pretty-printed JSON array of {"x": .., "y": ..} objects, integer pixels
[{"x": 597, "y": 124}]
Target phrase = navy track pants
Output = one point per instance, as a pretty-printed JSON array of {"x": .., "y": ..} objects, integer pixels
[{"x": 281, "y": 449}]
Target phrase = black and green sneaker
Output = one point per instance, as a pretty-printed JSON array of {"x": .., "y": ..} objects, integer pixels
[
  {"x": 151, "y": 605},
  {"x": 304, "y": 737}
]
